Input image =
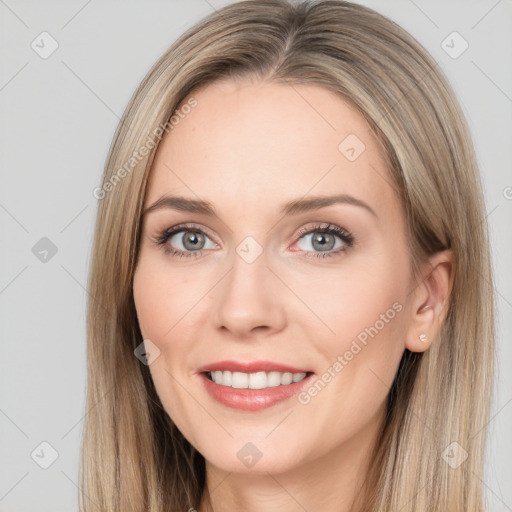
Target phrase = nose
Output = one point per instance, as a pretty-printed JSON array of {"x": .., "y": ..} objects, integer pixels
[{"x": 250, "y": 299}]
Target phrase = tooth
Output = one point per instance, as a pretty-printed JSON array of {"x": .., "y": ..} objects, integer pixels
[
  {"x": 257, "y": 380},
  {"x": 239, "y": 380},
  {"x": 286, "y": 378},
  {"x": 273, "y": 379},
  {"x": 226, "y": 378}
]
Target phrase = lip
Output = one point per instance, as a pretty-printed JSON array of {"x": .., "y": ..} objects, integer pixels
[
  {"x": 250, "y": 367},
  {"x": 251, "y": 399}
]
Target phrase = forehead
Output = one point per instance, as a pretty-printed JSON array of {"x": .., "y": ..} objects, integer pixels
[{"x": 251, "y": 143}]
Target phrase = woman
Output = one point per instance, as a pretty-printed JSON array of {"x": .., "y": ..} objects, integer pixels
[{"x": 291, "y": 297}]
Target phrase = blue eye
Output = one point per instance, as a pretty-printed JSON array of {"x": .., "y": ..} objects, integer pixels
[
  {"x": 194, "y": 241},
  {"x": 324, "y": 237},
  {"x": 191, "y": 239}
]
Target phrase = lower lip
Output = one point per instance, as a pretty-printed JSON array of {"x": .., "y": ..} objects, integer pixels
[{"x": 252, "y": 399}]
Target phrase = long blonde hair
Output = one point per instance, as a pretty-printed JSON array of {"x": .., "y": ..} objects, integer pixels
[{"x": 133, "y": 457}]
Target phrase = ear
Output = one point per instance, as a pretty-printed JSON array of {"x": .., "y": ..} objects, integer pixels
[{"x": 429, "y": 301}]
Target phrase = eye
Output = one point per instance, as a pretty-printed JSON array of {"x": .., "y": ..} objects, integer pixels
[
  {"x": 189, "y": 241},
  {"x": 185, "y": 241},
  {"x": 323, "y": 239}
]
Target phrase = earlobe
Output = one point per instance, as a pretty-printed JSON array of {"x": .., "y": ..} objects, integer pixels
[
  {"x": 430, "y": 302},
  {"x": 421, "y": 330}
]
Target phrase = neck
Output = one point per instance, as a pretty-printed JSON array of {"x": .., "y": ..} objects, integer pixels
[{"x": 332, "y": 482}]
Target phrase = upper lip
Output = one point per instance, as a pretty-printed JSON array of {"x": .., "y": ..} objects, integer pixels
[{"x": 250, "y": 367}]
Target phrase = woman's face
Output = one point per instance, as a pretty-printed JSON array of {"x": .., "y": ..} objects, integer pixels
[{"x": 260, "y": 281}]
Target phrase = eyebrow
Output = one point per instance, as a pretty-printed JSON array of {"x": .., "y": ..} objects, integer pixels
[{"x": 293, "y": 207}]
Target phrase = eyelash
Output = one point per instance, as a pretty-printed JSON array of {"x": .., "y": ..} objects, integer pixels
[{"x": 343, "y": 234}]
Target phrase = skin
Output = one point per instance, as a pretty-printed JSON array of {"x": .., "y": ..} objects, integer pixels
[{"x": 248, "y": 147}]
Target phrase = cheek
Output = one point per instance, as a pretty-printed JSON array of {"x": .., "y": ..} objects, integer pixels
[
  {"x": 365, "y": 310},
  {"x": 356, "y": 302},
  {"x": 160, "y": 298},
  {"x": 161, "y": 301}
]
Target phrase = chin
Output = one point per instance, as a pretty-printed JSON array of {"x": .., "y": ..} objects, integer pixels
[
  {"x": 252, "y": 457},
  {"x": 275, "y": 464}
]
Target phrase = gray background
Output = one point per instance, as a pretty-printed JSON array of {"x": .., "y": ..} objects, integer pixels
[{"x": 58, "y": 116}]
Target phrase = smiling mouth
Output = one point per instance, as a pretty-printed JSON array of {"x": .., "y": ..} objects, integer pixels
[
  {"x": 253, "y": 385},
  {"x": 257, "y": 380}
]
